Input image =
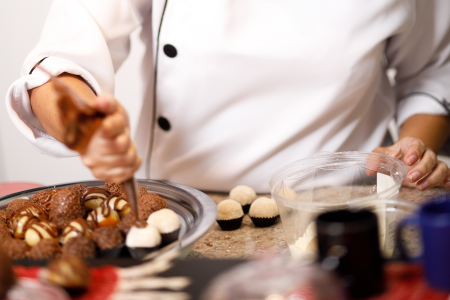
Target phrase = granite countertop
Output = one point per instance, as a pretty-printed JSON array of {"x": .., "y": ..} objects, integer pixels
[{"x": 250, "y": 242}]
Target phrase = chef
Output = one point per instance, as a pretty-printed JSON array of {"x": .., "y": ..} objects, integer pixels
[{"x": 237, "y": 89}]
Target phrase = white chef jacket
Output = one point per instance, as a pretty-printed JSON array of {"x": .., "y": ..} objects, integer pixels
[{"x": 239, "y": 88}]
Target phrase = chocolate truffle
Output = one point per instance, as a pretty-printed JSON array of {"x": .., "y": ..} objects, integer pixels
[
  {"x": 142, "y": 240},
  {"x": 127, "y": 222},
  {"x": 114, "y": 188},
  {"x": 93, "y": 197},
  {"x": 244, "y": 195},
  {"x": 69, "y": 272},
  {"x": 168, "y": 224},
  {"x": 45, "y": 249},
  {"x": 80, "y": 188},
  {"x": 104, "y": 216},
  {"x": 142, "y": 191},
  {"x": 66, "y": 206},
  {"x": 107, "y": 237},
  {"x": 4, "y": 232},
  {"x": 230, "y": 214},
  {"x": 33, "y": 209},
  {"x": 117, "y": 203},
  {"x": 79, "y": 246},
  {"x": 150, "y": 203},
  {"x": 4, "y": 217},
  {"x": 78, "y": 227},
  {"x": 7, "y": 276},
  {"x": 14, "y": 205},
  {"x": 38, "y": 231},
  {"x": 19, "y": 224},
  {"x": 263, "y": 212},
  {"x": 16, "y": 249},
  {"x": 44, "y": 198}
]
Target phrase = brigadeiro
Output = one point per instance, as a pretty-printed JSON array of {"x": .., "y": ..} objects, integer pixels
[
  {"x": 263, "y": 212},
  {"x": 79, "y": 246},
  {"x": 244, "y": 195},
  {"x": 109, "y": 240},
  {"x": 150, "y": 203},
  {"x": 167, "y": 223},
  {"x": 7, "y": 276},
  {"x": 126, "y": 223},
  {"x": 80, "y": 188},
  {"x": 5, "y": 234},
  {"x": 42, "y": 196},
  {"x": 66, "y": 205},
  {"x": 4, "y": 217},
  {"x": 142, "y": 240},
  {"x": 114, "y": 188},
  {"x": 142, "y": 191},
  {"x": 45, "y": 249},
  {"x": 68, "y": 272},
  {"x": 229, "y": 215},
  {"x": 16, "y": 249},
  {"x": 14, "y": 205}
]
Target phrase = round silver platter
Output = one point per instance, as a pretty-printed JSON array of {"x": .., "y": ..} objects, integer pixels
[{"x": 197, "y": 211}]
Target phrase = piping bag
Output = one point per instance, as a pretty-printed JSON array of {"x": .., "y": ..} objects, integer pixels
[{"x": 80, "y": 121}]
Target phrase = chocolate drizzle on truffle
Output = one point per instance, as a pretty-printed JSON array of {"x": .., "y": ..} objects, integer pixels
[
  {"x": 78, "y": 227},
  {"x": 118, "y": 203},
  {"x": 92, "y": 197},
  {"x": 34, "y": 210}
]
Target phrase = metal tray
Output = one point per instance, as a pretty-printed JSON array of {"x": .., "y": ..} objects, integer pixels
[{"x": 196, "y": 210}]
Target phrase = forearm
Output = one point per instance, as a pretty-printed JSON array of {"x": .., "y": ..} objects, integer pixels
[
  {"x": 431, "y": 129},
  {"x": 44, "y": 102}
]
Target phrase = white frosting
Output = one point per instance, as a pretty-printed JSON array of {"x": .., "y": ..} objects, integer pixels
[
  {"x": 229, "y": 210},
  {"x": 243, "y": 194},
  {"x": 165, "y": 220},
  {"x": 306, "y": 245},
  {"x": 146, "y": 237},
  {"x": 263, "y": 208}
]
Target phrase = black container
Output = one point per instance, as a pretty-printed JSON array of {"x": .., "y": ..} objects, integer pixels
[{"x": 349, "y": 245}]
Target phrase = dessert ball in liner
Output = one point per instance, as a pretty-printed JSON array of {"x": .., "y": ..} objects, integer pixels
[
  {"x": 68, "y": 272},
  {"x": 109, "y": 241},
  {"x": 16, "y": 249},
  {"x": 65, "y": 206},
  {"x": 45, "y": 249},
  {"x": 149, "y": 203},
  {"x": 104, "y": 216},
  {"x": 230, "y": 215},
  {"x": 168, "y": 224},
  {"x": 244, "y": 195},
  {"x": 77, "y": 227},
  {"x": 93, "y": 197},
  {"x": 79, "y": 246},
  {"x": 264, "y": 212},
  {"x": 142, "y": 240}
]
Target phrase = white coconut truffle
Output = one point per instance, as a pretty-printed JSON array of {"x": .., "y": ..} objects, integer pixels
[
  {"x": 263, "y": 208},
  {"x": 243, "y": 194},
  {"x": 165, "y": 220},
  {"x": 146, "y": 237},
  {"x": 229, "y": 210}
]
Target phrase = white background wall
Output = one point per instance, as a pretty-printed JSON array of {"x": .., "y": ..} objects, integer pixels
[{"x": 21, "y": 22}]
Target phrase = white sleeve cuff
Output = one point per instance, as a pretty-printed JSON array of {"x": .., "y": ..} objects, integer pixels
[
  {"x": 19, "y": 108},
  {"x": 419, "y": 103}
]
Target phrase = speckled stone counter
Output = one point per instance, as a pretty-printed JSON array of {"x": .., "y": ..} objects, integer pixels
[{"x": 251, "y": 242}]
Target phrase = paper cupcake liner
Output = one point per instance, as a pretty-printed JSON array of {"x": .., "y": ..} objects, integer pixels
[
  {"x": 75, "y": 291},
  {"x": 264, "y": 222},
  {"x": 246, "y": 208},
  {"x": 168, "y": 238},
  {"x": 232, "y": 224},
  {"x": 111, "y": 253},
  {"x": 141, "y": 252}
]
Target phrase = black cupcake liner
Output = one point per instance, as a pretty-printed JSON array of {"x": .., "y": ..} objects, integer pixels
[
  {"x": 111, "y": 253},
  {"x": 168, "y": 238},
  {"x": 264, "y": 222},
  {"x": 75, "y": 291},
  {"x": 232, "y": 224},
  {"x": 141, "y": 252},
  {"x": 246, "y": 208}
]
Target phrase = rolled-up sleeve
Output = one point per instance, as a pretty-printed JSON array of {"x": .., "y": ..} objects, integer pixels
[
  {"x": 421, "y": 55},
  {"x": 82, "y": 37}
]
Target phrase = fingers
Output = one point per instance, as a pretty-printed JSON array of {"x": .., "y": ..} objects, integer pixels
[
  {"x": 106, "y": 104},
  {"x": 446, "y": 182},
  {"x": 415, "y": 152},
  {"x": 435, "y": 177},
  {"x": 113, "y": 125},
  {"x": 424, "y": 166}
]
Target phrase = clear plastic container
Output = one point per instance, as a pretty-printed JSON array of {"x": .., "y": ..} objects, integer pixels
[
  {"x": 330, "y": 181},
  {"x": 390, "y": 213}
]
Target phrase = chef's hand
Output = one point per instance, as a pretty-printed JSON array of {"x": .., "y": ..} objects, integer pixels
[
  {"x": 424, "y": 169},
  {"x": 111, "y": 155}
]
